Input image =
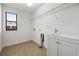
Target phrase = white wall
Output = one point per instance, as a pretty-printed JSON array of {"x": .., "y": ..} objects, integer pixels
[
  {"x": 42, "y": 24},
  {"x": 24, "y": 27},
  {"x": 46, "y": 7},
  {"x": 68, "y": 20},
  {"x": 0, "y": 27},
  {"x": 64, "y": 18}
]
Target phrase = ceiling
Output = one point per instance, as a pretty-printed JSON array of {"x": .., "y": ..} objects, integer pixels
[{"x": 24, "y": 7}]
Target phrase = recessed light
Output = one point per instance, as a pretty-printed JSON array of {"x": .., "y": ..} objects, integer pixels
[{"x": 29, "y": 4}]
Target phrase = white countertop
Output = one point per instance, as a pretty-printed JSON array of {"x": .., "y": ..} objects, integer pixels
[
  {"x": 71, "y": 36},
  {"x": 67, "y": 36}
]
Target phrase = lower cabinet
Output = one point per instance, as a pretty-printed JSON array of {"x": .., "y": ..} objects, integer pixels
[
  {"x": 68, "y": 49},
  {"x": 52, "y": 48},
  {"x": 62, "y": 48}
]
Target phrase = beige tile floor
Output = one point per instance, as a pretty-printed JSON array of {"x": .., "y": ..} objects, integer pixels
[{"x": 29, "y": 48}]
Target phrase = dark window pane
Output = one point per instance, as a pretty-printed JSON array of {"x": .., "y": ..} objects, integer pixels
[{"x": 11, "y": 23}]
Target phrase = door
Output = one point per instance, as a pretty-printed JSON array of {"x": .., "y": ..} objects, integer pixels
[
  {"x": 68, "y": 49},
  {"x": 52, "y": 47}
]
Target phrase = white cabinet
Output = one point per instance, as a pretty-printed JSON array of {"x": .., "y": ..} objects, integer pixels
[
  {"x": 66, "y": 49},
  {"x": 69, "y": 49},
  {"x": 58, "y": 47},
  {"x": 52, "y": 48}
]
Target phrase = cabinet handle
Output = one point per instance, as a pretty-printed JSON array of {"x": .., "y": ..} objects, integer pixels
[{"x": 58, "y": 42}]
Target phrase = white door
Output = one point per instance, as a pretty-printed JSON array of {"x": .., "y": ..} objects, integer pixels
[
  {"x": 68, "y": 49},
  {"x": 52, "y": 47}
]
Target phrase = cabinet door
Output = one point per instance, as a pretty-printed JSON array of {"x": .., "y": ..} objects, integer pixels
[
  {"x": 52, "y": 47},
  {"x": 68, "y": 49}
]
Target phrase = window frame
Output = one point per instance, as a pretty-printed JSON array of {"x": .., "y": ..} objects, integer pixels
[{"x": 11, "y": 21}]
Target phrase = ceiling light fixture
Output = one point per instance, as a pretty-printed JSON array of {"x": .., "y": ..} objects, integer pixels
[{"x": 29, "y": 4}]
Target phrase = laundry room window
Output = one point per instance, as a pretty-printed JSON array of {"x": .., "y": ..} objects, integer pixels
[{"x": 11, "y": 21}]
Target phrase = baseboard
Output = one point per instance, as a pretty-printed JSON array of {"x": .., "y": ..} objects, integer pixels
[
  {"x": 16, "y": 43},
  {"x": 24, "y": 42}
]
